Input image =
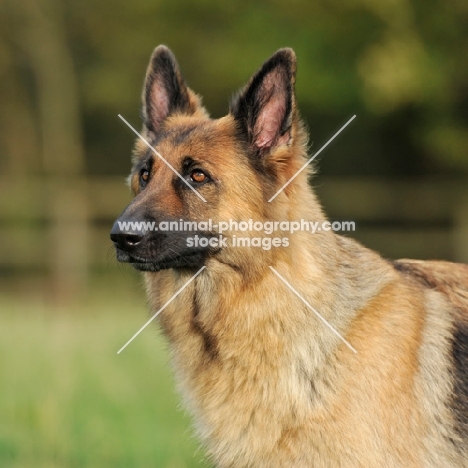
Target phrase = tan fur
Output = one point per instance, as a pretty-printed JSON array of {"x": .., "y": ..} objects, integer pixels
[
  {"x": 273, "y": 398},
  {"x": 268, "y": 384}
]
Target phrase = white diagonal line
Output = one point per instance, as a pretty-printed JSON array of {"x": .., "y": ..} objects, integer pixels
[
  {"x": 312, "y": 158},
  {"x": 159, "y": 156},
  {"x": 161, "y": 309},
  {"x": 313, "y": 310}
]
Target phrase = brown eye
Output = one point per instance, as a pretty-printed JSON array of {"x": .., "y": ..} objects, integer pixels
[
  {"x": 198, "y": 176},
  {"x": 144, "y": 177}
]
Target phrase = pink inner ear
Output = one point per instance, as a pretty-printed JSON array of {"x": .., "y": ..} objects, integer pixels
[
  {"x": 159, "y": 103},
  {"x": 268, "y": 125},
  {"x": 269, "y": 122}
]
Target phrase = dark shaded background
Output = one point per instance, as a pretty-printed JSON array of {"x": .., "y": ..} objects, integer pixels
[
  {"x": 400, "y": 65},
  {"x": 68, "y": 68}
]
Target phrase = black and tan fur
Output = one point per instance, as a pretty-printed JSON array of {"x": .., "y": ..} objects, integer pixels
[{"x": 267, "y": 383}]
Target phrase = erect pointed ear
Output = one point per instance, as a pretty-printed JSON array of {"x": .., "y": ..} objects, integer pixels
[
  {"x": 165, "y": 91},
  {"x": 264, "y": 108}
]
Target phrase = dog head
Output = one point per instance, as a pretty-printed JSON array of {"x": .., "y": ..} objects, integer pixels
[{"x": 190, "y": 168}]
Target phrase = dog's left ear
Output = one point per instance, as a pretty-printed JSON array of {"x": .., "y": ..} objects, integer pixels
[{"x": 264, "y": 108}]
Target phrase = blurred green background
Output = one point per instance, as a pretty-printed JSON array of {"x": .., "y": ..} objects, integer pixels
[{"x": 68, "y": 68}]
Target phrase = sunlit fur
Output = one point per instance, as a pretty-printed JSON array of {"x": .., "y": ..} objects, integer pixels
[{"x": 267, "y": 383}]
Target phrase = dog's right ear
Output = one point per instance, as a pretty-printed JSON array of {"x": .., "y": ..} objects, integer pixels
[{"x": 165, "y": 91}]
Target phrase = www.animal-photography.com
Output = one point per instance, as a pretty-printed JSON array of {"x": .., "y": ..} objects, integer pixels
[{"x": 233, "y": 235}]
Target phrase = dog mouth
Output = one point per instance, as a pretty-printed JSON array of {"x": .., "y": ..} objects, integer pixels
[
  {"x": 161, "y": 250},
  {"x": 187, "y": 260}
]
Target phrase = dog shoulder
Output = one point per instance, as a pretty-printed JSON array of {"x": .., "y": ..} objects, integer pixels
[
  {"x": 447, "y": 278},
  {"x": 451, "y": 280}
]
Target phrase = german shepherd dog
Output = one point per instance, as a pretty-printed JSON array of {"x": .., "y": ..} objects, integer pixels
[{"x": 267, "y": 382}]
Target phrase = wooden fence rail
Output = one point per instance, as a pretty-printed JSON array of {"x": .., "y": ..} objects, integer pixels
[{"x": 63, "y": 225}]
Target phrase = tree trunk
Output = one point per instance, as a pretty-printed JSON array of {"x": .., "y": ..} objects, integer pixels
[{"x": 44, "y": 40}]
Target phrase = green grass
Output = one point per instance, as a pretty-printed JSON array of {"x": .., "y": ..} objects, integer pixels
[{"x": 68, "y": 400}]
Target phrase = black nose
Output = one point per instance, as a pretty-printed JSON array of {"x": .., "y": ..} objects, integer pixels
[{"x": 125, "y": 239}]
